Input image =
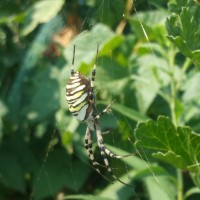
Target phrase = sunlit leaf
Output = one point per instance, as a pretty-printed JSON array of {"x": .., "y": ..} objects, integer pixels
[
  {"x": 41, "y": 12},
  {"x": 86, "y": 51},
  {"x": 152, "y": 24},
  {"x": 151, "y": 76},
  {"x": 164, "y": 188}
]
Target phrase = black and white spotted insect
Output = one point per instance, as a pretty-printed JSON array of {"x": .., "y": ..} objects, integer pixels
[{"x": 81, "y": 101}]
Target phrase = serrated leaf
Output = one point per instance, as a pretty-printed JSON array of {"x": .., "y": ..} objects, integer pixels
[
  {"x": 176, "y": 146},
  {"x": 184, "y": 49},
  {"x": 183, "y": 28},
  {"x": 170, "y": 156},
  {"x": 181, "y": 45},
  {"x": 172, "y": 25}
]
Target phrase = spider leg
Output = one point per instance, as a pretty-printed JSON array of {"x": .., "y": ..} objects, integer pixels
[
  {"x": 106, "y": 110},
  {"x": 72, "y": 67},
  {"x": 104, "y": 154},
  {"x": 88, "y": 146},
  {"x": 102, "y": 146},
  {"x": 91, "y": 93},
  {"x": 94, "y": 71}
]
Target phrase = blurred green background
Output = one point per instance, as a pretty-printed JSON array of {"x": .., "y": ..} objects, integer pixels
[{"x": 42, "y": 154}]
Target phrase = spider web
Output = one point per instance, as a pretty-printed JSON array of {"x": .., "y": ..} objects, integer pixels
[{"x": 116, "y": 142}]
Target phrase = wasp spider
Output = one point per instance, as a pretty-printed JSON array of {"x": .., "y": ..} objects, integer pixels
[{"x": 81, "y": 100}]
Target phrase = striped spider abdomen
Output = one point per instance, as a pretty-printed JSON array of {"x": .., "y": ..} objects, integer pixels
[{"x": 79, "y": 96}]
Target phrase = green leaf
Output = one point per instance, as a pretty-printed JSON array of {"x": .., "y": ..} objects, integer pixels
[
  {"x": 184, "y": 49},
  {"x": 11, "y": 172},
  {"x": 196, "y": 176},
  {"x": 3, "y": 111},
  {"x": 58, "y": 172},
  {"x": 191, "y": 99},
  {"x": 173, "y": 26},
  {"x": 170, "y": 156},
  {"x": 30, "y": 61},
  {"x": 86, "y": 197},
  {"x": 133, "y": 160},
  {"x": 86, "y": 45},
  {"x": 191, "y": 192},
  {"x": 181, "y": 45},
  {"x": 183, "y": 26},
  {"x": 118, "y": 191},
  {"x": 139, "y": 164},
  {"x": 152, "y": 75},
  {"x": 176, "y": 146},
  {"x": 192, "y": 89},
  {"x": 41, "y": 12},
  {"x": 128, "y": 112},
  {"x": 176, "y": 5},
  {"x": 44, "y": 98},
  {"x": 164, "y": 189},
  {"x": 108, "y": 70},
  {"x": 152, "y": 23},
  {"x": 160, "y": 183},
  {"x": 141, "y": 171},
  {"x": 12, "y": 18}
]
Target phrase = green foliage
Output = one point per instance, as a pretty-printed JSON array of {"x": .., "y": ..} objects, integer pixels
[
  {"x": 35, "y": 15},
  {"x": 148, "y": 66},
  {"x": 162, "y": 137},
  {"x": 183, "y": 28}
]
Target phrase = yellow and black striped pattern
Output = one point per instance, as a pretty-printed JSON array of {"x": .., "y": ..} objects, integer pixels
[{"x": 78, "y": 92}]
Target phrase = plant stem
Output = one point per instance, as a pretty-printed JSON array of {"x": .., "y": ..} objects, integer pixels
[
  {"x": 184, "y": 69},
  {"x": 180, "y": 184},
  {"x": 173, "y": 95},
  {"x": 172, "y": 87}
]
